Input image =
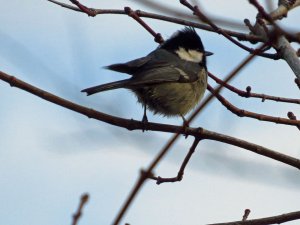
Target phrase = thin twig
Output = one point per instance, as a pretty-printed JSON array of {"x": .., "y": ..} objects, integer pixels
[
  {"x": 245, "y": 113},
  {"x": 180, "y": 173},
  {"x": 266, "y": 16},
  {"x": 133, "y": 14},
  {"x": 204, "y": 18},
  {"x": 84, "y": 9},
  {"x": 140, "y": 13},
  {"x": 246, "y": 214},
  {"x": 282, "y": 44},
  {"x": 249, "y": 94},
  {"x": 83, "y": 200},
  {"x": 267, "y": 220}
]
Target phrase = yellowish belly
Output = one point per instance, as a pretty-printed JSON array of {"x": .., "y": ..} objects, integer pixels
[{"x": 172, "y": 99}]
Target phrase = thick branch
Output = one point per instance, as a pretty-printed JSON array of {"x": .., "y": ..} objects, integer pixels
[
  {"x": 282, "y": 10},
  {"x": 264, "y": 15},
  {"x": 282, "y": 44},
  {"x": 138, "y": 125},
  {"x": 289, "y": 55}
]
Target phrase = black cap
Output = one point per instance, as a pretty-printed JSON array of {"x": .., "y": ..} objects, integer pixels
[{"x": 186, "y": 38}]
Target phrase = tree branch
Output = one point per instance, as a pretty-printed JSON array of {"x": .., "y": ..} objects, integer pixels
[
  {"x": 160, "y": 180},
  {"x": 196, "y": 11},
  {"x": 140, "y": 13},
  {"x": 83, "y": 200},
  {"x": 84, "y": 9},
  {"x": 249, "y": 94},
  {"x": 282, "y": 45},
  {"x": 133, "y": 14},
  {"x": 263, "y": 14},
  {"x": 289, "y": 55},
  {"x": 131, "y": 124},
  {"x": 267, "y": 220},
  {"x": 245, "y": 113},
  {"x": 283, "y": 9}
]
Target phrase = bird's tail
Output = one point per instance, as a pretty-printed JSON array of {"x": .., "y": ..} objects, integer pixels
[{"x": 106, "y": 87}]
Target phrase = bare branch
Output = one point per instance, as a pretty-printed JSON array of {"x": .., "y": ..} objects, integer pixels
[
  {"x": 83, "y": 200},
  {"x": 266, "y": 221},
  {"x": 180, "y": 173},
  {"x": 204, "y": 18},
  {"x": 245, "y": 113},
  {"x": 289, "y": 55},
  {"x": 267, "y": 17},
  {"x": 131, "y": 124},
  {"x": 84, "y": 9},
  {"x": 248, "y": 93},
  {"x": 281, "y": 44},
  {"x": 140, "y": 13},
  {"x": 133, "y": 14},
  {"x": 283, "y": 9}
]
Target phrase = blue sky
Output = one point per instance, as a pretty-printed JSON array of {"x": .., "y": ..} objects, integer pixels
[{"x": 50, "y": 156}]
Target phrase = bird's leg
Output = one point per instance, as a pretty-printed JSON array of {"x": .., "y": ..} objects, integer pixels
[
  {"x": 185, "y": 125},
  {"x": 185, "y": 122},
  {"x": 145, "y": 119}
]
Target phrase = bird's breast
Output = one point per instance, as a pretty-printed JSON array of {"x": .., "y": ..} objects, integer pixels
[{"x": 173, "y": 99}]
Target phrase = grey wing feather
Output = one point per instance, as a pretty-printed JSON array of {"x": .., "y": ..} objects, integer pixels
[
  {"x": 150, "y": 70},
  {"x": 167, "y": 67},
  {"x": 106, "y": 87},
  {"x": 130, "y": 67}
]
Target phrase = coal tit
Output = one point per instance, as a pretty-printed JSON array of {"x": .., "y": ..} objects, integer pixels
[{"x": 171, "y": 80}]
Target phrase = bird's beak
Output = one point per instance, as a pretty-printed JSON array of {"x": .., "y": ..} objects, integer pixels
[{"x": 206, "y": 53}]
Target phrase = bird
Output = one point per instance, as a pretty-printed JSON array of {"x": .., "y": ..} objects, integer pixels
[{"x": 170, "y": 80}]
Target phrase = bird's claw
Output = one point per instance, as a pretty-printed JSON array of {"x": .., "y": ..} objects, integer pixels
[{"x": 145, "y": 122}]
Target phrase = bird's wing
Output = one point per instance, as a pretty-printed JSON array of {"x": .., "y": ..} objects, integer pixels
[
  {"x": 159, "y": 61},
  {"x": 158, "y": 67},
  {"x": 130, "y": 67},
  {"x": 166, "y": 67}
]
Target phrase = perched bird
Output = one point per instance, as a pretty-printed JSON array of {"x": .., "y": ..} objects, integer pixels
[{"x": 171, "y": 80}]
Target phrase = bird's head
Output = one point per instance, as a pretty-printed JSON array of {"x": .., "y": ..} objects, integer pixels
[{"x": 187, "y": 45}]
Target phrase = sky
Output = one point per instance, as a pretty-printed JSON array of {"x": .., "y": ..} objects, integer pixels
[{"x": 49, "y": 155}]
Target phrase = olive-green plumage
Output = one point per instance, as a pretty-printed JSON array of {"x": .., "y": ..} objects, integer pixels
[{"x": 173, "y": 99}]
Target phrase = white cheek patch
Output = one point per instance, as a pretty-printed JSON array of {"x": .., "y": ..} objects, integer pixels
[
  {"x": 196, "y": 56},
  {"x": 190, "y": 55}
]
